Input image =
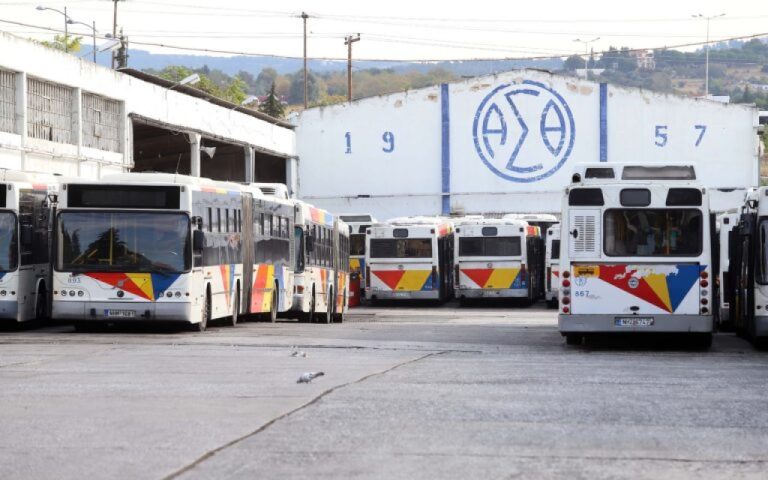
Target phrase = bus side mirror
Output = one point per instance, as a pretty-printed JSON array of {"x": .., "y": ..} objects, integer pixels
[
  {"x": 197, "y": 222},
  {"x": 575, "y": 233},
  {"x": 198, "y": 240},
  {"x": 752, "y": 204},
  {"x": 310, "y": 244},
  {"x": 26, "y": 234}
]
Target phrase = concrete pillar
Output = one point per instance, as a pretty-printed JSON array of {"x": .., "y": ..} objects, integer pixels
[
  {"x": 77, "y": 125},
  {"x": 195, "y": 140},
  {"x": 250, "y": 160},
  {"x": 21, "y": 116},
  {"x": 292, "y": 176}
]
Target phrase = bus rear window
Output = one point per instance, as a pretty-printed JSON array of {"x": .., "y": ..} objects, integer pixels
[
  {"x": 582, "y": 197},
  {"x": 401, "y": 248},
  {"x": 357, "y": 244},
  {"x": 489, "y": 247},
  {"x": 653, "y": 233}
]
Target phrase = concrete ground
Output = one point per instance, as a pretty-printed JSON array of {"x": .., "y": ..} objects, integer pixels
[{"x": 408, "y": 392}]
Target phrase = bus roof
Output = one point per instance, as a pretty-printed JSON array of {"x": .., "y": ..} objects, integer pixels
[
  {"x": 416, "y": 221},
  {"x": 7, "y": 175},
  {"x": 610, "y": 172},
  {"x": 352, "y": 218},
  {"x": 166, "y": 179},
  {"x": 461, "y": 222}
]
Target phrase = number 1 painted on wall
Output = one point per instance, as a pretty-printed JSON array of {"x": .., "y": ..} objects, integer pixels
[
  {"x": 702, "y": 129},
  {"x": 348, "y": 137}
]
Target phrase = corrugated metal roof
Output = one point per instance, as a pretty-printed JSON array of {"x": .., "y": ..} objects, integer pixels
[{"x": 194, "y": 92}]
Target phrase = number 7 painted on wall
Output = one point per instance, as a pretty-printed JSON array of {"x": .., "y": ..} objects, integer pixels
[{"x": 702, "y": 129}]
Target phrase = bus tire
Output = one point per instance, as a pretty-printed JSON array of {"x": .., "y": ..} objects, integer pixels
[
  {"x": 339, "y": 317},
  {"x": 329, "y": 308},
  {"x": 274, "y": 304},
  {"x": 41, "y": 304},
  {"x": 236, "y": 308},
  {"x": 701, "y": 341},
  {"x": 203, "y": 324},
  {"x": 573, "y": 339},
  {"x": 552, "y": 303}
]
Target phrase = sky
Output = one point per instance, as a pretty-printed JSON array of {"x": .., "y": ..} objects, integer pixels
[{"x": 396, "y": 29}]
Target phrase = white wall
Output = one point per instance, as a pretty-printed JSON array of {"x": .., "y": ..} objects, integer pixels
[{"x": 408, "y": 179}]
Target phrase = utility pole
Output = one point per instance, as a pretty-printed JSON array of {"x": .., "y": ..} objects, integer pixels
[
  {"x": 304, "y": 17},
  {"x": 348, "y": 41},
  {"x": 114, "y": 30},
  {"x": 706, "y": 51}
]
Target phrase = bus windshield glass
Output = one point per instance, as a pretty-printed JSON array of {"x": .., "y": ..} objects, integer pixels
[
  {"x": 489, "y": 247},
  {"x": 123, "y": 242},
  {"x": 401, "y": 248},
  {"x": 653, "y": 232},
  {"x": 9, "y": 250},
  {"x": 357, "y": 244}
]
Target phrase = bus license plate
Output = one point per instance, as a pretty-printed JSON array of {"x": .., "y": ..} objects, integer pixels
[
  {"x": 633, "y": 321},
  {"x": 401, "y": 294},
  {"x": 120, "y": 313}
]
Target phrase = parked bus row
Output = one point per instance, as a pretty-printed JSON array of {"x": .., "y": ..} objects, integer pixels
[
  {"x": 470, "y": 258},
  {"x": 161, "y": 247}
]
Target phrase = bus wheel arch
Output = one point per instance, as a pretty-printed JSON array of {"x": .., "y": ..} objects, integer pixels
[{"x": 275, "y": 304}]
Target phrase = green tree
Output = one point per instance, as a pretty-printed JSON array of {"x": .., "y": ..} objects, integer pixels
[
  {"x": 572, "y": 63},
  {"x": 72, "y": 44},
  {"x": 267, "y": 77},
  {"x": 272, "y": 105}
]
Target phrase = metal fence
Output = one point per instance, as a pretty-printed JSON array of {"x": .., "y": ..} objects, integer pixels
[
  {"x": 49, "y": 111},
  {"x": 101, "y": 123},
  {"x": 7, "y": 101}
]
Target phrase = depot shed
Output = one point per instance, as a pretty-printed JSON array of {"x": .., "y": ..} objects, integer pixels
[
  {"x": 61, "y": 114},
  {"x": 509, "y": 142}
]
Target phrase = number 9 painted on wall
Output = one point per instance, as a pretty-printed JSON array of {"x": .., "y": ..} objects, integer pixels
[{"x": 389, "y": 140}]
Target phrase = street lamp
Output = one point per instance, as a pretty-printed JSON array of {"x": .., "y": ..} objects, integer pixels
[
  {"x": 66, "y": 20},
  {"x": 73, "y": 22},
  {"x": 586, "y": 52},
  {"x": 706, "y": 50},
  {"x": 190, "y": 80}
]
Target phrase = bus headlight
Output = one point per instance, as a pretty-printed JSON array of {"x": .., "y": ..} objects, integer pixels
[
  {"x": 169, "y": 294},
  {"x": 80, "y": 293},
  {"x": 2, "y": 293},
  {"x": 177, "y": 294}
]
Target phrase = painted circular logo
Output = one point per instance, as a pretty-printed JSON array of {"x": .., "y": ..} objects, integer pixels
[
  {"x": 633, "y": 282},
  {"x": 524, "y": 132}
]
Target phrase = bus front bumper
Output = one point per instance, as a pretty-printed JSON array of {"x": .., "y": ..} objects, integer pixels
[
  {"x": 122, "y": 311},
  {"x": 9, "y": 310},
  {"x": 605, "y": 323},
  {"x": 491, "y": 293},
  {"x": 371, "y": 294}
]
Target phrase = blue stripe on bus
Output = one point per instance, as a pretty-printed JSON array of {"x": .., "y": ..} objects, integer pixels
[{"x": 603, "y": 122}]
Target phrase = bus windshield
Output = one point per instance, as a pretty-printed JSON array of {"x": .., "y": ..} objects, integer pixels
[
  {"x": 401, "y": 248},
  {"x": 653, "y": 232},
  {"x": 123, "y": 242},
  {"x": 9, "y": 250},
  {"x": 489, "y": 247},
  {"x": 357, "y": 244}
]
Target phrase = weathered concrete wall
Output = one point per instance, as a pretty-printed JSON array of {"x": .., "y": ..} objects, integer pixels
[{"x": 508, "y": 143}]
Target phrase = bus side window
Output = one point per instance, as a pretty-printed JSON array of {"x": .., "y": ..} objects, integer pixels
[
  {"x": 210, "y": 219},
  {"x": 218, "y": 220}
]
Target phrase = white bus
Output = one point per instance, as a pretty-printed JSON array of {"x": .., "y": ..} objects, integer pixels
[
  {"x": 149, "y": 246},
  {"x": 321, "y": 283},
  {"x": 636, "y": 252},
  {"x": 497, "y": 258},
  {"x": 552, "y": 265},
  {"x": 25, "y": 274},
  {"x": 409, "y": 258},
  {"x": 358, "y": 225},
  {"x": 748, "y": 269}
]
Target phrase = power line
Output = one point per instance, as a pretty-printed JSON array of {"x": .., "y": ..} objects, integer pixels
[{"x": 538, "y": 57}]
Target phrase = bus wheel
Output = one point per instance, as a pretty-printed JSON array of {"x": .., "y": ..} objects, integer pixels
[
  {"x": 701, "y": 341},
  {"x": 200, "y": 327},
  {"x": 339, "y": 317},
  {"x": 41, "y": 305},
  {"x": 573, "y": 339},
  {"x": 275, "y": 305},
  {"x": 552, "y": 303},
  {"x": 330, "y": 303},
  {"x": 236, "y": 310}
]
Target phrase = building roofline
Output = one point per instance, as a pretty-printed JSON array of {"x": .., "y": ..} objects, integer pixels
[{"x": 194, "y": 92}]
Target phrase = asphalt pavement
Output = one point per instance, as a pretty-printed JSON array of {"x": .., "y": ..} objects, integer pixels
[{"x": 407, "y": 392}]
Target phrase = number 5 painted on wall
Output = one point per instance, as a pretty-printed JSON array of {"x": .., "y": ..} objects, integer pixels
[
  {"x": 661, "y": 135},
  {"x": 702, "y": 129}
]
